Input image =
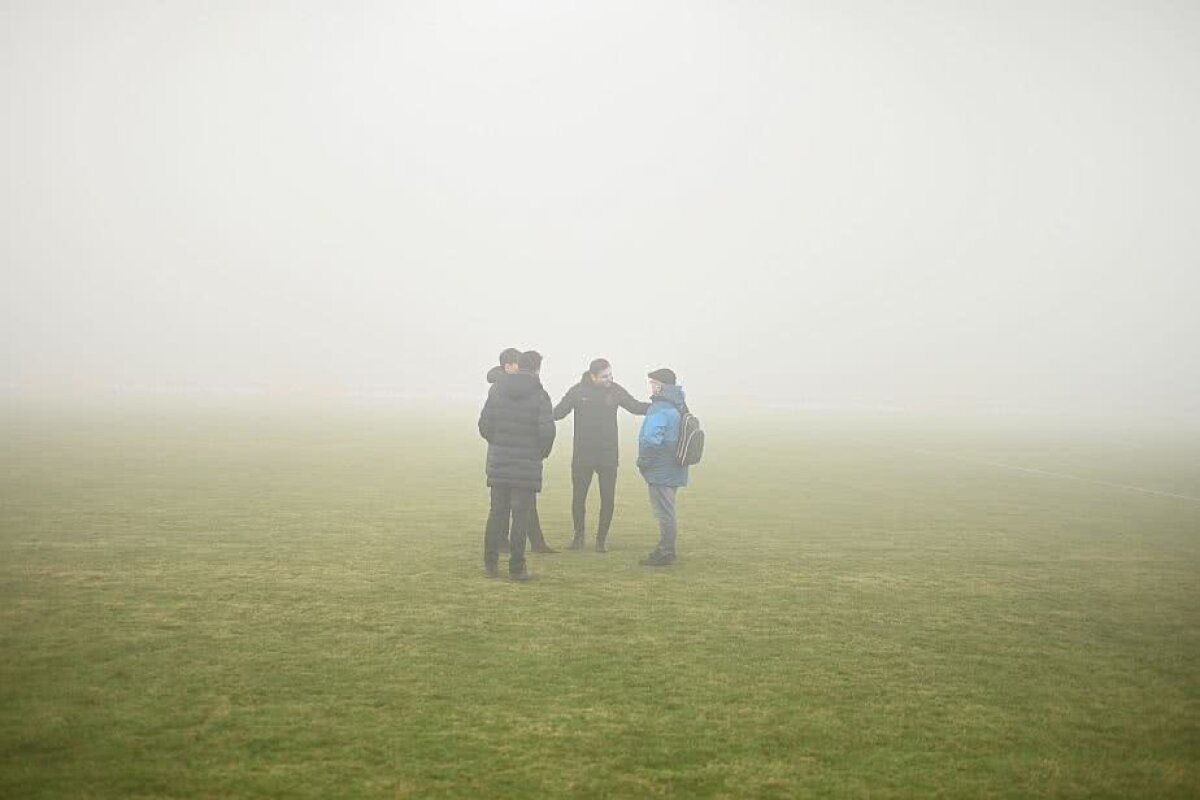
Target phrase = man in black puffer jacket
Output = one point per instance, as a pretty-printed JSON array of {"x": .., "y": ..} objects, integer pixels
[
  {"x": 509, "y": 364},
  {"x": 594, "y": 400},
  {"x": 518, "y": 424}
]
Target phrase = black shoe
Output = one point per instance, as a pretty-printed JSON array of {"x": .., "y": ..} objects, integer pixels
[
  {"x": 657, "y": 559},
  {"x": 545, "y": 549},
  {"x": 576, "y": 543},
  {"x": 601, "y": 546},
  {"x": 491, "y": 571},
  {"x": 520, "y": 577}
]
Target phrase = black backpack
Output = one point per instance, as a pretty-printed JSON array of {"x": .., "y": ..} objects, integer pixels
[{"x": 690, "y": 449}]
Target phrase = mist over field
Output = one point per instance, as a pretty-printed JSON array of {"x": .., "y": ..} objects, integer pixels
[
  {"x": 926, "y": 207},
  {"x": 928, "y": 272}
]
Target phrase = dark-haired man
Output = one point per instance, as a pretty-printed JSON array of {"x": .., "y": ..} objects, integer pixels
[
  {"x": 509, "y": 365},
  {"x": 594, "y": 400},
  {"x": 517, "y": 422}
]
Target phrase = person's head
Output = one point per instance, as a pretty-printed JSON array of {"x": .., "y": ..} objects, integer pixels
[
  {"x": 510, "y": 359},
  {"x": 530, "y": 361},
  {"x": 601, "y": 372},
  {"x": 660, "y": 378}
]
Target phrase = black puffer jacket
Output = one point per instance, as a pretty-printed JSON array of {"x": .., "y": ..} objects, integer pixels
[
  {"x": 595, "y": 410},
  {"x": 516, "y": 421}
]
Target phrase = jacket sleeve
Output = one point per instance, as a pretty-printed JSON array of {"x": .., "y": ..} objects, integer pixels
[
  {"x": 626, "y": 401},
  {"x": 485, "y": 418},
  {"x": 546, "y": 426},
  {"x": 654, "y": 430},
  {"x": 566, "y": 405},
  {"x": 651, "y": 438}
]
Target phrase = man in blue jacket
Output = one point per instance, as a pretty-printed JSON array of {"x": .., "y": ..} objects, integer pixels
[{"x": 656, "y": 460}]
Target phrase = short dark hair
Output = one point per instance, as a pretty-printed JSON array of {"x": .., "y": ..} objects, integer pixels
[
  {"x": 598, "y": 366},
  {"x": 530, "y": 361},
  {"x": 510, "y": 355}
]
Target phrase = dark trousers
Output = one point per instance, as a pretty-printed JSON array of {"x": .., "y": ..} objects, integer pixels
[
  {"x": 519, "y": 504},
  {"x": 581, "y": 483},
  {"x": 536, "y": 539}
]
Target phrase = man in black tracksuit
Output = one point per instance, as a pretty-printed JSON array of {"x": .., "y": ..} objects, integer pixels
[
  {"x": 509, "y": 359},
  {"x": 594, "y": 400},
  {"x": 518, "y": 424}
]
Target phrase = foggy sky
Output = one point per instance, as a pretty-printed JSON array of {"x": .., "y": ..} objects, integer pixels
[{"x": 904, "y": 205}]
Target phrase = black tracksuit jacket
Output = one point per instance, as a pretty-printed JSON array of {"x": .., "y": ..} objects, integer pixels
[{"x": 595, "y": 410}]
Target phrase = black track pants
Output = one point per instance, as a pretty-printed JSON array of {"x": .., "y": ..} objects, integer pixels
[{"x": 581, "y": 482}]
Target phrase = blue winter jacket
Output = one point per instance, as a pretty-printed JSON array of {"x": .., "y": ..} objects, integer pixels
[{"x": 659, "y": 436}]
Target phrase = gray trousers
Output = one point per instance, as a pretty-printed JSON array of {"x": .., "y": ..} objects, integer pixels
[{"x": 662, "y": 501}]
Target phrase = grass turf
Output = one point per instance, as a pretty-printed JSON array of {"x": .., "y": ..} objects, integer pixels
[{"x": 238, "y": 602}]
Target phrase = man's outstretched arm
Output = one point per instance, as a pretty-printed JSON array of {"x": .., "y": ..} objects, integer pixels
[
  {"x": 566, "y": 405},
  {"x": 626, "y": 401}
]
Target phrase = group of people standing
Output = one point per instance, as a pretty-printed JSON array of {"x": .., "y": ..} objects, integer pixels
[{"x": 518, "y": 422}]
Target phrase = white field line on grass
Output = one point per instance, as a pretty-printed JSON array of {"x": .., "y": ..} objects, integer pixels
[{"x": 1031, "y": 470}]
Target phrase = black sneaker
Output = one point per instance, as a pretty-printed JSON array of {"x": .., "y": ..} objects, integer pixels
[
  {"x": 601, "y": 546},
  {"x": 657, "y": 559},
  {"x": 545, "y": 550},
  {"x": 576, "y": 543},
  {"x": 520, "y": 577},
  {"x": 491, "y": 571}
]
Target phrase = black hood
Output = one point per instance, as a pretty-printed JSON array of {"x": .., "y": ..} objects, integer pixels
[
  {"x": 519, "y": 384},
  {"x": 495, "y": 373}
]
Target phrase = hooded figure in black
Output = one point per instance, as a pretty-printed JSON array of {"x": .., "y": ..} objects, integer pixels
[
  {"x": 537, "y": 541},
  {"x": 595, "y": 400},
  {"x": 518, "y": 425}
]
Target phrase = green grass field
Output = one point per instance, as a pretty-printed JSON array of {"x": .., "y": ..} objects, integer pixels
[{"x": 241, "y": 602}]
